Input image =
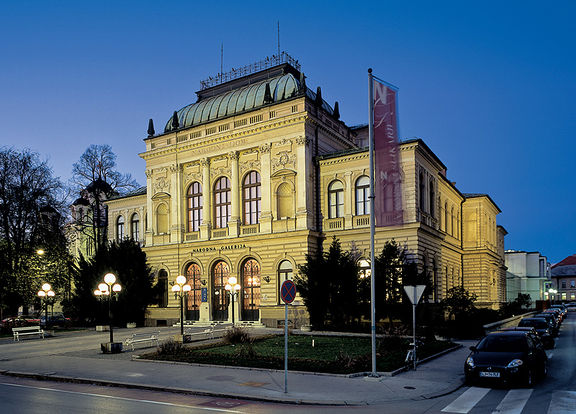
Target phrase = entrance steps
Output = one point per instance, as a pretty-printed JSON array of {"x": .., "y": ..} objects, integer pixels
[{"x": 223, "y": 324}]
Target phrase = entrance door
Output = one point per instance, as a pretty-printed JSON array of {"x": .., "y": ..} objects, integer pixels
[
  {"x": 194, "y": 296},
  {"x": 220, "y": 297},
  {"x": 251, "y": 290}
]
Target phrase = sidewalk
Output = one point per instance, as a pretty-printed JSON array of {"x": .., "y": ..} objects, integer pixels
[{"x": 433, "y": 378}]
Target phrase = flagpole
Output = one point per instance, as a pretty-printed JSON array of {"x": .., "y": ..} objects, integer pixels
[{"x": 372, "y": 221}]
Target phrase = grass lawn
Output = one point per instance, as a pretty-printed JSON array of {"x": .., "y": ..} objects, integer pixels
[{"x": 332, "y": 354}]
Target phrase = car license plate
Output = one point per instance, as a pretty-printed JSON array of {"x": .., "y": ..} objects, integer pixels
[{"x": 490, "y": 374}]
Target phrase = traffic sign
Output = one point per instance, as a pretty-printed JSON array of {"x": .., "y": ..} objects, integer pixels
[
  {"x": 414, "y": 293},
  {"x": 288, "y": 291}
]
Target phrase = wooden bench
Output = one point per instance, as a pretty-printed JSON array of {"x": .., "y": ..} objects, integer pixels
[
  {"x": 142, "y": 337},
  {"x": 27, "y": 330}
]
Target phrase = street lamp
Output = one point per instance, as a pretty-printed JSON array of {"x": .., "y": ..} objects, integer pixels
[
  {"x": 109, "y": 289},
  {"x": 232, "y": 287},
  {"x": 180, "y": 289},
  {"x": 46, "y": 294}
]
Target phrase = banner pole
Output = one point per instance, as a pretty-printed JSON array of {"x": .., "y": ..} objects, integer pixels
[{"x": 372, "y": 221}]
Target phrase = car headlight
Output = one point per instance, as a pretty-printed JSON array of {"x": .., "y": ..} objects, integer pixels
[
  {"x": 470, "y": 362},
  {"x": 515, "y": 363}
]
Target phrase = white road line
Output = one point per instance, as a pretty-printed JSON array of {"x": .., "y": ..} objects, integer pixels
[
  {"x": 466, "y": 401},
  {"x": 513, "y": 402},
  {"x": 563, "y": 402},
  {"x": 122, "y": 398}
]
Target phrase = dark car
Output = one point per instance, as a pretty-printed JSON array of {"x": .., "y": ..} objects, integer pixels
[
  {"x": 562, "y": 308},
  {"x": 507, "y": 357},
  {"x": 55, "y": 320},
  {"x": 552, "y": 321},
  {"x": 557, "y": 314},
  {"x": 19, "y": 321},
  {"x": 542, "y": 327}
]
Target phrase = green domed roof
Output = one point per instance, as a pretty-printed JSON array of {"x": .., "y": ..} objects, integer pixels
[{"x": 236, "y": 101}]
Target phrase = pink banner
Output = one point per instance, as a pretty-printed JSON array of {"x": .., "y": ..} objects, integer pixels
[{"x": 387, "y": 178}]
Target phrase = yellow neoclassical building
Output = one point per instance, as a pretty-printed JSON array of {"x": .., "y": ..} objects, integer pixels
[{"x": 257, "y": 172}]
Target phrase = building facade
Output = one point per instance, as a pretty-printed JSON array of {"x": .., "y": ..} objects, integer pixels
[
  {"x": 564, "y": 280},
  {"x": 260, "y": 172},
  {"x": 527, "y": 273}
]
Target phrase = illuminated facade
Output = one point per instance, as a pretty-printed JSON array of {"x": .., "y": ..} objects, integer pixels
[{"x": 249, "y": 179}]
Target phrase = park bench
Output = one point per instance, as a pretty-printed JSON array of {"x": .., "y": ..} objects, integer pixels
[
  {"x": 211, "y": 332},
  {"x": 142, "y": 337},
  {"x": 27, "y": 330}
]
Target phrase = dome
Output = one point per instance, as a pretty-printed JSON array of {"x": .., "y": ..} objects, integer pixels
[
  {"x": 236, "y": 101},
  {"x": 81, "y": 202}
]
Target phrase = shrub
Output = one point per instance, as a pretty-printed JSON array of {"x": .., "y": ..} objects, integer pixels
[
  {"x": 237, "y": 336},
  {"x": 246, "y": 351},
  {"x": 170, "y": 347}
]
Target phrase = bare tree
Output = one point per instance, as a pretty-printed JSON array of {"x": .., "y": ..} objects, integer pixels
[{"x": 95, "y": 176}]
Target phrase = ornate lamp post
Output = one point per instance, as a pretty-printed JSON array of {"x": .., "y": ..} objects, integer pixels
[
  {"x": 109, "y": 289},
  {"x": 180, "y": 289},
  {"x": 232, "y": 287},
  {"x": 46, "y": 295}
]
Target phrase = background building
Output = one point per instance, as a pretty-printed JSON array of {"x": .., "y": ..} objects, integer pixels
[
  {"x": 260, "y": 171},
  {"x": 564, "y": 280},
  {"x": 528, "y": 273}
]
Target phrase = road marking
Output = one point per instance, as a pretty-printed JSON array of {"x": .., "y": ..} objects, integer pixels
[
  {"x": 563, "y": 402},
  {"x": 513, "y": 402},
  {"x": 122, "y": 398},
  {"x": 466, "y": 401}
]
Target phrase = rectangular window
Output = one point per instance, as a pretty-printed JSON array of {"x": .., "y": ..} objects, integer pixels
[
  {"x": 240, "y": 122},
  {"x": 573, "y": 284},
  {"x": 563, "y": 284}
]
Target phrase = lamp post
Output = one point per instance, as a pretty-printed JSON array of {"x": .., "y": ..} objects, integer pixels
[
  {"x": 180, "y": 289},
  {"x": 232, "y": 287},
  {"x": 46, "y": 294},
  {"x": 109, "y": 288}
]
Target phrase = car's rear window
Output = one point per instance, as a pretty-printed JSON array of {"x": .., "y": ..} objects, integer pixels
[
  {"x": 503, "y": 343},
  {"x": 533, "y": 323}
]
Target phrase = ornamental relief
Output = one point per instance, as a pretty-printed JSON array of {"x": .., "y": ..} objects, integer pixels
[
  {"x": 161, "y": 185},
  {"x": 249, "y": 165},
  {"x": 221, "y": 171},
  {"x": 283, "y": 160},
  {"x": 192, "y": 176}
]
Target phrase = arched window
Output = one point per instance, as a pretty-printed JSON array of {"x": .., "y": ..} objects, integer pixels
[
  {"x": 335, "y": 199},
  {"x": 222, "y": 203},
  {"x": 220, "y": 297},
  {"x": 422, "y": 193},
  {"x": 285, "y": 202},
  {"x": 251, "y": 290},
  {"x": 432, "y": 198},
  {"x": 251, "y": 198},
  {"x": 194, "y": 297},
  {"x": 362, "y": 196},
  {"x": 194, "y": 204},
  {"x": 163, "y": 289},
  {"x": 162, "y": 218},
  {"x": 120, "y": 228},
  {"x": 135, "y": 227},
  {"x": 285, "y": 272}
]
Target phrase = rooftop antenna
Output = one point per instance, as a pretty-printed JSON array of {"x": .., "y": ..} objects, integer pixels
[
  {"x": 222, "y": 58},
  {"x": 278, "y": 38}
]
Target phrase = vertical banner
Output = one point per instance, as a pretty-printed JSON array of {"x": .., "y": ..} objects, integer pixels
[{"x": 387, "y": 178}]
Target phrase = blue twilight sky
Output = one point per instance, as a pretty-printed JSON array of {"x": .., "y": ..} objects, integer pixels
[{"x": 490, "y": 86}]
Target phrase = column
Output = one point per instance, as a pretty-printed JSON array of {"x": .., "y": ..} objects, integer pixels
[
  {"x": 349, "y": 199},
  {"x": 176, "y": 205},
  {"x": 304, "y": 189},
  {"x": 234, "y": 223},
  {"x": 150, "y": 216},
  {"x": 207, "y": 198},
  {"x": 267, "y": 194}
]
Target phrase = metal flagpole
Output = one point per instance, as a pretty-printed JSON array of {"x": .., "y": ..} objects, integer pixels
[{"x": 372, "y": 220}]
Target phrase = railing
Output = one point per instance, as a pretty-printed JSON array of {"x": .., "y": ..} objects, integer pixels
[
  {"x": 250, "y": 229},
  {"x": 193, "y": 236},
  {"x": 267, "y": 63},
  {"x": 219, "y": 232},
  {"x": 335, "y": 223},
  {"x": 362, "y": 221}
]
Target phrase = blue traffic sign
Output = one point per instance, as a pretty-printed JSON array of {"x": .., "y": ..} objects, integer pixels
[{"x": 288, "y": 291}]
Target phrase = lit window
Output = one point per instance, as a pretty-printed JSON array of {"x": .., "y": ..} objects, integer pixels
[
  {"x": 251, "y": 197},
  {"x": 135, "y": 227},
  {"x": 335, "y": 199},
  {"x": 222, "y": 203},
  {"x": 362, "y": 196},
  {"x": 365, "y": 270},
  {"x": 194, "y": 198},
  {"x": 120, "y": 228}
]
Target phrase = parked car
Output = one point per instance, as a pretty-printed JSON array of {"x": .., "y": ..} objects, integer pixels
[
  {"x": 557, "y": 313},
  {"x": 55, "y": 320},
  {"x": 561, "y": 308},
  {"x": 552, "y": 321},
  {"x": 542, "y": 328},
  {"x": 18, "y": 321},
  {"x": 507, "y": 357},
  {"x": 571, "y": 307}
]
